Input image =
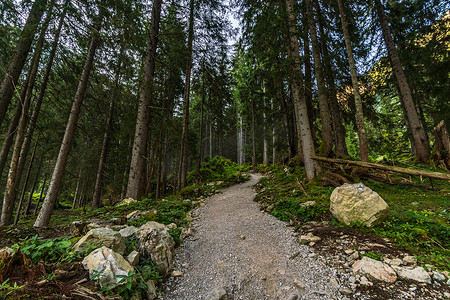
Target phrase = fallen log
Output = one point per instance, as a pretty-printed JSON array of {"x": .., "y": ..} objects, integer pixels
[{"x": 430, "y": 174}]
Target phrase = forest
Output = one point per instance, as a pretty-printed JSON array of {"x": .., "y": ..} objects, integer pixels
[{"x": 164, "y": 103}]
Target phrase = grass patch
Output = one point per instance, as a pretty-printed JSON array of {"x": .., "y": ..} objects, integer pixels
[{"x": 418, "y": 220}]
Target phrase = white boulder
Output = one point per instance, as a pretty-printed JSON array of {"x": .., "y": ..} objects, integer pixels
[
  {"x": 155, "y": 242},
  {"x": 99, "y": 237},
  {"x": 374, "y": 269},
  {"x": 108, "y": 266},
  {"x": 351, "y": 203},
  {"x": 417, "y": 274}
]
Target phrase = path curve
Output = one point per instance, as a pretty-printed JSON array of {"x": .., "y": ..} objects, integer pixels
[{"x": 248, "y": 254}]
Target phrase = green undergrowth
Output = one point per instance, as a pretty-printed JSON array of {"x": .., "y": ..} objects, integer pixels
[
  {"x": 418, "y": 220},
  {"x": 214, "y": 174}
]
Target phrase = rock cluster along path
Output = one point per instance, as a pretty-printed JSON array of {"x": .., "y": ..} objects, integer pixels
[{"x": 238, "y": 252}]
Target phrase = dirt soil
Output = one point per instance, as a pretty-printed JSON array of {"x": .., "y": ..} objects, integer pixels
[{"x": 239, "y": 252}]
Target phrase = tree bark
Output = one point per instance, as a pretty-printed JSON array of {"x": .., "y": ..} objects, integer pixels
[
  {"x": 136, "y": 179},
  {"x": 364, "y": 153},
  {"x": 43, "y": 218},
  {"x": 23, "y": 46},
  {"x": 304, "y": 131},
  {"x": 418, "y": 132},
  {"x": 327, "y": 131},
  {"x": 182, "y": 173},
  {"x": 338, "y": 128}
]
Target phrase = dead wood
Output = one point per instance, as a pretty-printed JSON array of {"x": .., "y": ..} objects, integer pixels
[{"x": 430, "y": 174}]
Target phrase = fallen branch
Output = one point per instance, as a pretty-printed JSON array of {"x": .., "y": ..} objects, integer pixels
[
  {"x": 430, "y": 174},
  {"x": 390, "y": 182},
  {"x": 301, "y": 187}
]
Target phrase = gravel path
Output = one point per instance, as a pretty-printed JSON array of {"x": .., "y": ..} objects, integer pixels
[{"x": 246, "y": 254}]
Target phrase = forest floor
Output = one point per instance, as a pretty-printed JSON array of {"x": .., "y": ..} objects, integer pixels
[
  {"x": 243, "y": 241},
  {"x": 238, "y": 251}
]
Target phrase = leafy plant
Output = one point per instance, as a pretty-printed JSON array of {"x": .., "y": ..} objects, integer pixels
[
  {"x": 52, "y": 250},
  {"x": 7, "y": 289}
]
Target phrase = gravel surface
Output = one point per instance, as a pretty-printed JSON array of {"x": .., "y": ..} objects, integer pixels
[{"x": 239, "y": 251}]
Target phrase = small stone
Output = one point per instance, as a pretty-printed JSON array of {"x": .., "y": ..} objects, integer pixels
[
  {"x": 410, "y": 260},
  {"x": 293, "y": 297},
  {"x": 133, "y": 258},
  {"x": 308, "y": 203},
  {"x": 438, "y": 276},
  {"x": 354, "y": 256},
  {"x": 333, "y": 282},
  {"x": 5, "y": 252},
  {"x": 172, "y": 226},
  {"x": 311, "y": 244},
  {"x": 345, "y": 291},
  {"x": 242, "y": 237},
  {"x": 309, "y": 238},
  {"x": 365, "y": 281},
  {"x": 417, "y": 274},
  {"x": 352, "y": 279},
  {"x": 217, "y": 294},
  {"x": 349, "y": 251},
  {"x": 299, "y": 284},
  {"x": 395, "y": 262},
  {"x": 186, "y": 265},
  {"x": 374, "y": 269},
  {"x": 176, "y": 273}
]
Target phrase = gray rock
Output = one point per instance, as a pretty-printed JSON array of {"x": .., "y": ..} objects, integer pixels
[
  {"x": 309, "y": 238},
  {"x": 172, "y": 226},
  {"x": 374, "y": 269},
  {"x": 417, "y": 274},
  {"x": 101, "y": 237},
  {"x": 410, "y": 260},
  {"x": 438, "y": 276},
  {"x": 155, "y": 242},
  {"x": 352, "y": 203},
  {"x": 395, "y": 262},
  {"x": 128, "y": 232},
  {"x": 308, "y": 203},
  {"x": 345, "y": 291},
  {"x": 353, "y": 256},
  {"x": 127, "y": 201},
  {"x": 218, "y": 294},
  {"x": 5, "y": 252},
  {"x": 133, "y": 258},
  {"x": 107, "y": 265}
]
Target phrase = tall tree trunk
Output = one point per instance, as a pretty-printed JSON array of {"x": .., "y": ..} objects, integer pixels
[
  {"x": 358, "y": 104},
  {"x": 298, "y": 94},
  {"x": 288, "y": 120},
  {"x": 339, "y": 131},
  {"x": 9, "y": 138},
  {"x": 265, "y": 141},
  {"x": 240, "y": 139},
  {"x": 418, "y": 132},
  {"x": 136, "y": 177},
  {"x": 15, "y": 171},
  {"x": 27, "y": 177},
  {"x": 23, "y": 46},
  {"x": 308, "y": 79},
  {"x": 40, "y": 195},
  {"x": 200, "y": 147},
  {"x": 327, "y": 131},
  {"x": 253, "y": 134},
  {"x": 182, "y": 174},
  {"x": 43, "y": 218},
  {"x": 96, "y": 203},
  {"x": 40, "y": 98},
  {"x": 26, "y": 209},
  {"x": 274, "y": 138}
]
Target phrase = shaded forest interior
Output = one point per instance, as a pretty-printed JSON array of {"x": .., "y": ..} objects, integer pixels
[{"x": 106, "y": 100}]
